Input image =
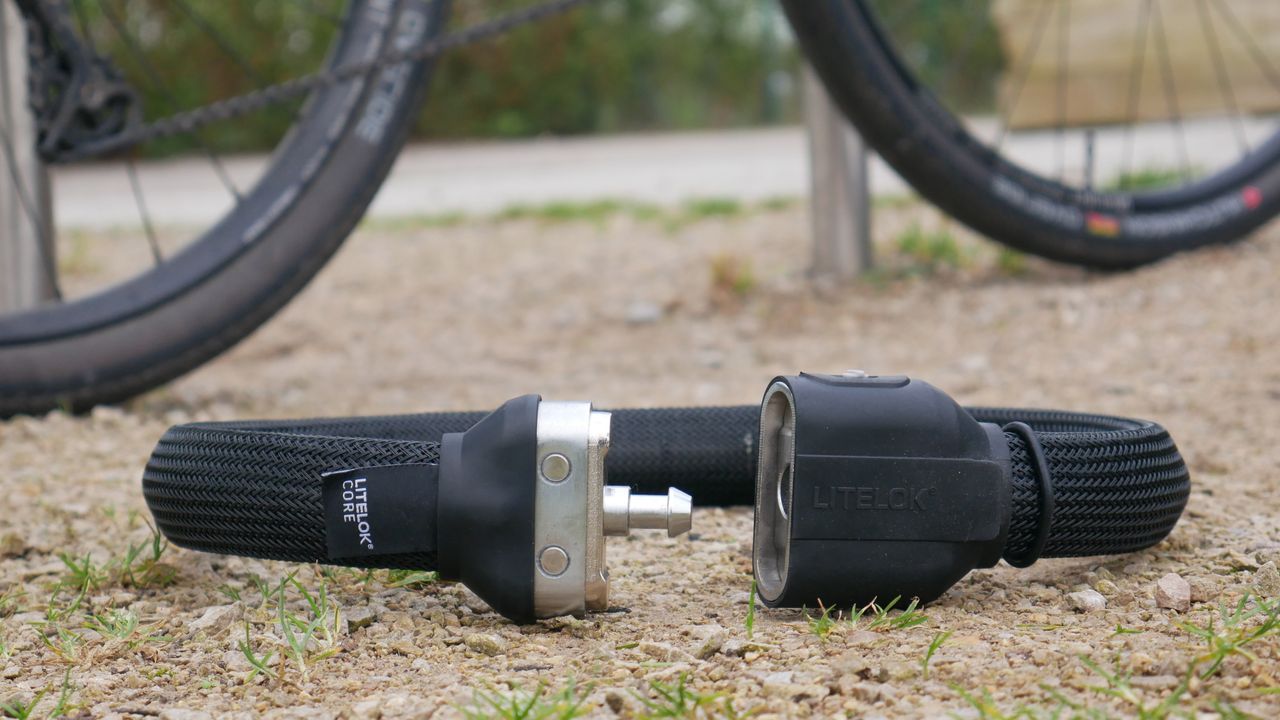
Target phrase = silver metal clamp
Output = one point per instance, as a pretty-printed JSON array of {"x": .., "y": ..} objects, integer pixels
[{"x": 574, "y": 510}]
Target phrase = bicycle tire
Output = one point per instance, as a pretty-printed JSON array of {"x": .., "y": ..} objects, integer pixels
[
  {"x": 137, "y": 335},
  {"x": 934, "y": 152}
]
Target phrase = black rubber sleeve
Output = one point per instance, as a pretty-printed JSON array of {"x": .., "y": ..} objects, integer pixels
[{"x": 253, "y": 488}]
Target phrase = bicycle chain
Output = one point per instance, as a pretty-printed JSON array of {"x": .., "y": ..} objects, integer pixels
[{"x": 188, "y": 121}]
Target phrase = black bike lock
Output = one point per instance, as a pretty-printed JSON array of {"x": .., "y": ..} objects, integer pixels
[
  {"x": 866, "y": 488},
  {"x": 870, "y": 488}
]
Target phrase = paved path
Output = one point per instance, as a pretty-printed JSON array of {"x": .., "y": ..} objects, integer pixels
[{"x": 477, "y": 178}]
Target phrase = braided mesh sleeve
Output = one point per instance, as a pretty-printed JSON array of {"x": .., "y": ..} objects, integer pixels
[
  {"x": 253, "y": 488},
  {"x": 256, "y": 492},
  {"x": 1119, "y": 485}
]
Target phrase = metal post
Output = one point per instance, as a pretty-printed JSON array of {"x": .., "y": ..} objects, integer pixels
[
  {"x": 26, "y": 261},
  {"x": 840, "y": 200}
]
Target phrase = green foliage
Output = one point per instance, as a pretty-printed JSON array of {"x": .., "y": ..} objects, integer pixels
[
  {"x": 83, "y": 574},
  {"x": 24, "y": 709},
  {"x": 312, "y": 634},
  {"x": 1118, "y": 686},
  {"x": 751, "y": 611},
  {"x": 139, "y": 567},
  {"x": 822, "y": 624},
  {"x": 934, "y": 644},
  {"x": 415, "y": 579},
  {"x": 1150, "y": 179},
  {"x": 931, "y": 250},
  {"x": 909, "y": 617},
  {"x": 1228, "y": 634},
  {"x": 953, "y": 48},
  {"x": 517, "y": 704},
  {"x": 261, "y": 664},
  {"x": 122, "y": 625},
  {"x": 678, "y": 700},
  {"x": 1250, "y": 620}
]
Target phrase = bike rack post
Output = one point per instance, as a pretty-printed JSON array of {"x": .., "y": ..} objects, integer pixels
[
  {"x": 840, "y": 196},
  {"x": 26, "y": 250}
]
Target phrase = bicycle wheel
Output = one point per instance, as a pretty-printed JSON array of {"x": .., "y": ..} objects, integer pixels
[
  {"x": 1215, "y": 175},
  {"x": 334, "y": 149}
]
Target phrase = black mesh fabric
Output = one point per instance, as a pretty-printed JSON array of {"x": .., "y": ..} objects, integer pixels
[{"x": 253, "y": 488}]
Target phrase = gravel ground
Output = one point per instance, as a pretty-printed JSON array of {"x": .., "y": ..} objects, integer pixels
[{"x": 628, "y": 310}]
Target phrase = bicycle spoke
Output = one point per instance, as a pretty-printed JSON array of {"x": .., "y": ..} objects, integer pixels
[
  {"x": 1136, "y": 69},
  {"x": 1259, "y": 57},
  {"x": 1224, "y": 79},
  {"x": 153, "y": 77},
  {"x": 136, "y": 185},
  {"x": 1170, "y": 84},
  {"x": 1064, "y": 25},
  {"x": 1020, "y": 79},
  {"x": 1090, "y": 138},
  {"x": 222, "y": 42}
]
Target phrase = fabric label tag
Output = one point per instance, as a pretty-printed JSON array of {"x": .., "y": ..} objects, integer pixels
[{"x": 384, "y": 510}]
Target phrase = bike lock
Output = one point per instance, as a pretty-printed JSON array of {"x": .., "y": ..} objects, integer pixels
[{"x": 866, "y": 488}]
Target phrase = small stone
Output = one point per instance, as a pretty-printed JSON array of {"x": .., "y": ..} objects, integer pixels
[
  {"x": 711, "y": 644},
  {"x": 1266, "y": 579},
  {"x": 643, "y": 313},
  {"x": 1087, "y": 601},
  {"x": 851, "y": 663},
  {"x": 12, "y": 545},
  {"x": 1203, "y": 589},
  {"x": 664, "y": 652},
  {"x": 1173, "y": 592},
  {"x": 1106, "y": 587},
  {"x": 214, "y": 620},
  {"x": 11, "y": 672},
  {"x": 864, "y": 637},
  {"x": 184, "y": 714},
  {"x": 1237, "y": 560},
  {"x": 360, "y": 617},
  {"x": 795, "y": 691},
  {"x": 365, "y": 710},
  {"x": 485, "y": 644}
]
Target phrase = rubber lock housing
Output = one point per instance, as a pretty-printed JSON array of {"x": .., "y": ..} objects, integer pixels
[
  {"x": 486, "y": 507},
  {"x": 873, "y": 488}
]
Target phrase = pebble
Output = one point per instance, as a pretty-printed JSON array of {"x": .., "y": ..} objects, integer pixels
[
  {"x": 711, "y": 644},
  {"x": 184, "y": 714},
  {"x": 1203, "y": 589},
  {"x": 1173, "y": 592},
  {"x": 214, "y": 620},
  {"x": 1266, "y": 579},
  {"x": 1106, "y": 587},
  {"x": 360, "y": 617},
  {"x": 12, "y": 545},
  {"x": 1087, "y": 601},
  {"x": 485, "y": 643},
  {"x": 643, "y": 312},
  {"x": 795, "y": 691},
  {"x": 664, "y": 652}
]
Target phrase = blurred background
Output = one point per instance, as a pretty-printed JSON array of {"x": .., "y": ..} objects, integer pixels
[{"x": 618, "y": 65}]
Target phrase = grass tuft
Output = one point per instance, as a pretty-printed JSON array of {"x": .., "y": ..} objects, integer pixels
[
  {"x": 934, "y": 645},
  {"x": 518, "y": 704},
  {"x": 1250, "y": 620},
  {"x": 679, "y": 700},
  {"x": 822, "y": 624}
]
